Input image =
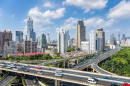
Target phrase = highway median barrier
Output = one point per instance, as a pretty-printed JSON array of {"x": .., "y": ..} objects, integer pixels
[
  {"x": 23, "y": 81},
  {"x": 11, "y": 81},
  {"x": 4, "y": 76},
  {"x": 42, "y": 83}
]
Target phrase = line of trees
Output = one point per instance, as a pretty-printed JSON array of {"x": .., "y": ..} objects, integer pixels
[
  {"x": 118, "y": 63},
  {"x": 31, "y": 57}
]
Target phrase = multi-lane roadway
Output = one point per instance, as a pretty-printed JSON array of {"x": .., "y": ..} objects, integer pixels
[
  {"x": 8, "y": 78},
  {"x": 76, "y": 75}
]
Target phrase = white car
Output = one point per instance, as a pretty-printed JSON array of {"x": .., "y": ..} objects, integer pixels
[
  {"x": 15, "y": 68},
  {"x": 34, "y": 80},
  {"x": 92, "y": 80},
  {"x": 58, "y": 72}
]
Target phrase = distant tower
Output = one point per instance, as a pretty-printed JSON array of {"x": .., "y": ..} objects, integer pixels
[
  {"x": 119, "y": 37},
  {"x": 48, "y": 38},
  {"x": 123, "y": 37},
  {"x": 93, "y": 41},
  {"x": 101, "y": 34},
  {"x": 62, "y": 41},
  {"x": 68, "y": 36},
  {"x": 30, "y": 30},
  {"x": 19, "y": 35},
  {"x": 80, "y": 34},
  {"x": 111, "y": 39}
]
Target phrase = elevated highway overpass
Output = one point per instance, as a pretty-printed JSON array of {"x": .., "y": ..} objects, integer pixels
[{"x": 73, "y": 76}]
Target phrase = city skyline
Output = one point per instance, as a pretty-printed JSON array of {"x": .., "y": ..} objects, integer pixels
[{"x": 62, "y": 16}]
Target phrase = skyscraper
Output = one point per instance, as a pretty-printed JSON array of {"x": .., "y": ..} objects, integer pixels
[
  {"x": 48, "y": 38},
  {"x": 119, "y": 37},
  {"x": 5, "y": 36},
  {"x": 111, "y": 39},
  {"x": 93, "y": 41},
  {"x": 19, "y": 36},
  {"x": 30, "y": 46},
  {"x": 101, "y": 36},
  {"x": 25, "y": 37},
  {"x": 10, "y": 48},
  {"x": 68, "y": 36},
  {"x": 41, "y": 41},
  {"x": 80, "y": 34},
  {"x": 30, "y": 30},
  {"x": 62, "y": 41},
  {"x": 123, "y": 37}
]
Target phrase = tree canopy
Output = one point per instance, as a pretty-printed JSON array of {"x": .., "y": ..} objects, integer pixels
[{"x": 119, "y": 62}]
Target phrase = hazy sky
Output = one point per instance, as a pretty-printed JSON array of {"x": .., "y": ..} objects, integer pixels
[{"x": 52, "y": 15}]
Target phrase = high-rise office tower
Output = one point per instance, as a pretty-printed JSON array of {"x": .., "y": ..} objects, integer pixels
[
  {"x": 119, "y": 37},
  {"x": 10, "y": 48},
  {"x": 19, "y": 36},
  {"x": 30, "y": 46},
  {"x": 30, "y": 30},
  {"x": 80, "y": 34},
  {"x": 25, "y": 37},
  {"x": 48, "y": 38},
  {"x": 41, "y": 41},
  {"x": 101, "y": 35},
  {"x": 111, "y": 39},
  {"x": 5, "y": 36},
  {"x": 68, "y": 36},
  {"x": 123, "y": 37},
  {"x": 93, "y": 41},
  {"x": 62, "y": 41}
]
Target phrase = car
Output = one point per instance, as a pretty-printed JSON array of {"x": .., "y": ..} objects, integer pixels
[
  {"x": 126, "y": 84},
  {"x": 58, "y": 72},
  {"x": 8, "y": 67},
  {"x": 78, "y": 67},
  {"x": 15, "y": 68},
  {"x": 24, "y": 69},
  {"x": 40, "y": 72},
  {"x": 4, "y": 65},
  {"x": 105, "y": 78},
  {"x": 26, "y": 65},
  {"x": 34, "y": 80},
  {"x": 92, "y": 80},
  {"x": 38, "y": 67},
  {"x": 10, "y": 63},
  {"x": 16, "y": 64},
  {"x": 114, "y": 84}
]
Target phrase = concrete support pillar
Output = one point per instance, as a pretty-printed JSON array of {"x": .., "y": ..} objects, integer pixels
[
  {"x": 68, "y": 64},
  {"x": 64, "y": 64},
  {"x": 77, "y": 61},
  {"x": 57, "y": 83},
  {"x": 58, "y": 65},
  {"x": 93, "y": 70}
]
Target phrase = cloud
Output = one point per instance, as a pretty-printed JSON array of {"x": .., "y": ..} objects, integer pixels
[
  {"x": 120, "y": 11},
  {"x": 112, "y": 31},
  {"x": 40, "y": 19},
  {"x": 91, "y": 22},
  {"x": 87, "y": 5},
  {"x": 98, "y": 22},
  {"x": 54, "y": 14},
  {"x": 69, "y": 24},
  {"x": 49, "y": 4},
  {"x": 92, "y": 12}
]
